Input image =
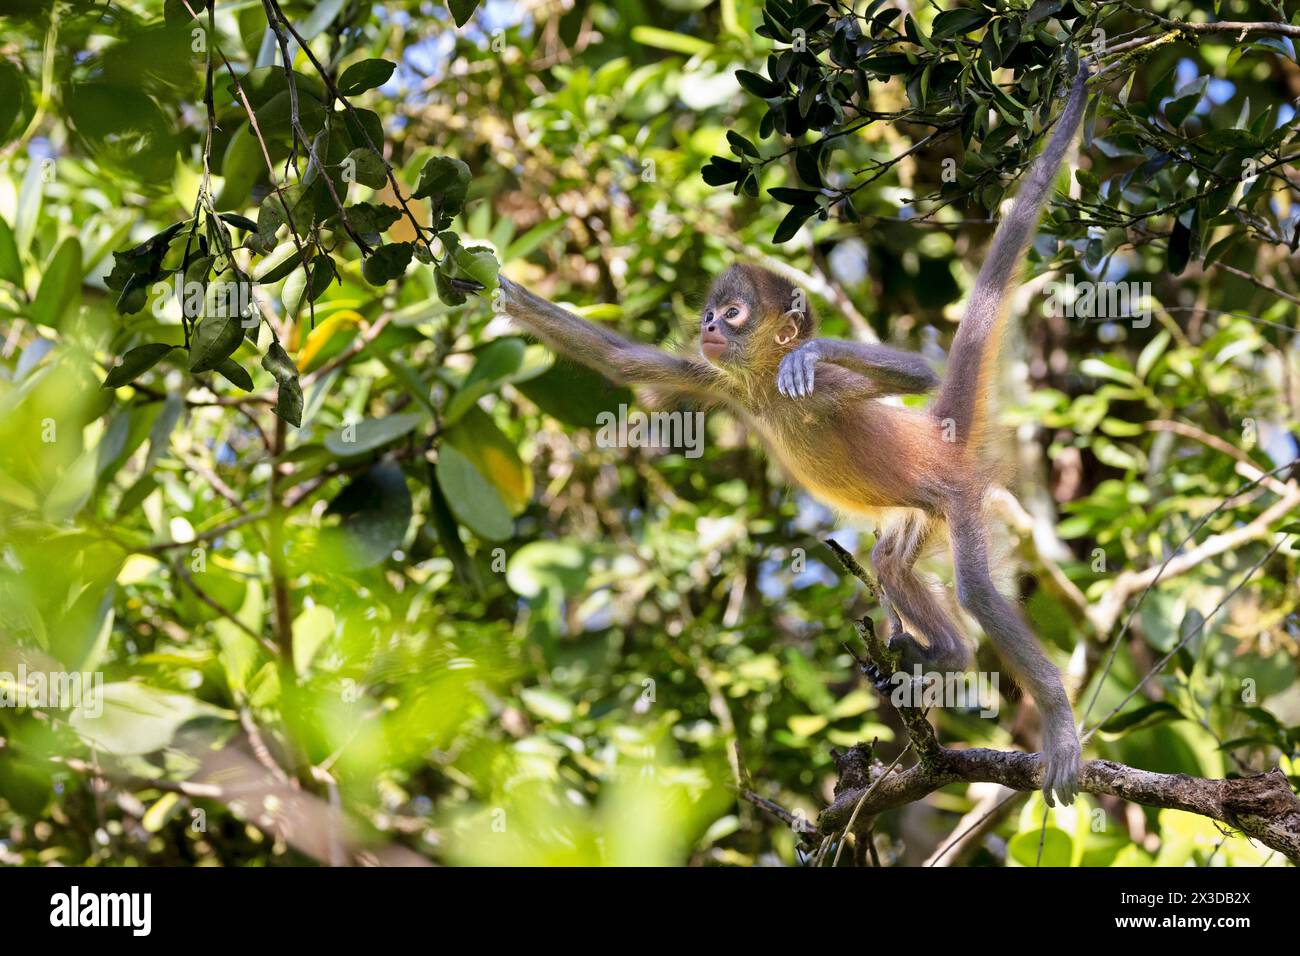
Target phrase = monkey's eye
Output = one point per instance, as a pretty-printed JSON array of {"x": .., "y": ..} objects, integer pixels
[
  {"x": 708, "y": 316},
  {"x": 735, "y": 316}
]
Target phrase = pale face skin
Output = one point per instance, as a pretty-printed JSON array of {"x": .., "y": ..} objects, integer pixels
[{"x": 721, "y": 323}]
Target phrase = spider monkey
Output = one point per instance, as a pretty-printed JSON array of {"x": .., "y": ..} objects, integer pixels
[{"x": 814, "y": 403}]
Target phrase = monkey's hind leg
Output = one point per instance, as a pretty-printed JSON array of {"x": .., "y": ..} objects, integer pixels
[
  {"x": 1019, "y": 650},
  {"x": 894, "y": 556}
]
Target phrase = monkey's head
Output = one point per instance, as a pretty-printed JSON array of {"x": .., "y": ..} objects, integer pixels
[{"x": 753, "y": 317}]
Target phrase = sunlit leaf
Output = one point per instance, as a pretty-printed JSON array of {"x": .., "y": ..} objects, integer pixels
[
  {"x": 60, "y": 285},
  {"x": 132, "y": 718},
  {"x": 135, "y": 363},
  {"x": 364, "y": 436},
  {"x": 473, "y": 499}
]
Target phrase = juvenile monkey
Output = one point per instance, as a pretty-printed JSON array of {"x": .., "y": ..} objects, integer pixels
[{"x": 814, "y": 403}]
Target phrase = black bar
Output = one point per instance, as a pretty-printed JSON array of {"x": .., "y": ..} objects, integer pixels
[{"x": 565, "y": 906}]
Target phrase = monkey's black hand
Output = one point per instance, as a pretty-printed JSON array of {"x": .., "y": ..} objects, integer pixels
[{"x": 794, "y": 377}]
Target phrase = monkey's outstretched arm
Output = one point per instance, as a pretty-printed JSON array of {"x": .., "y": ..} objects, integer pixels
[
  {"x": 890, "y": 371},
  {"x": 610, "y": 354}
]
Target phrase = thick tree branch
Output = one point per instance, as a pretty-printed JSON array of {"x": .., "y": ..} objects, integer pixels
[{"x": 1261, "y": 807}]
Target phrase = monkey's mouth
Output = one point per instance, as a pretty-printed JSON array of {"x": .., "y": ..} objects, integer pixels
[{"x": 712, "y": 345}]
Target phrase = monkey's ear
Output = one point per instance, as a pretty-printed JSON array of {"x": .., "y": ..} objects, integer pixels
[{"x": 789, "y": 329}]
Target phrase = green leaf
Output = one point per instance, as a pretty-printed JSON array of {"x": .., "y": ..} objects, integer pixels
[
  {"x": 473, "y": 499},
  {"x": 462, "y": 10},
  {"x": 1041, "y": 10},
  {"x": 386, "y": 263},
  {"x": 443, "y": 176},
  {"x": 759, "y": 85},
  {"x": 1179, "y": 108},
  {"x": 950, "y": 23},
  {"x": 277, "y": 362},
  {"x": 372, "y": 433},
  {"x": 720, "y": 171},
  {"x": 60, "y": 285},
  {"x": 72, "y": 489},
  {"x": 1180, "y": 248},
  {"x": 235, "y": 374},
  {"x": 238, "y": 652},
  {"x": 808, "y": 164},
  {"x": 135, "y": 362},
  {"x": 123, "y": 128},
  {"x": 131, "y": 718},
  {"x": 478, "y": 264},
  {"x": 368, "y": 167},
  {"x": 242, "y": 167},
  {"x": 542, "y": 566},
  {"x": 289, "y": 402},
  {"x": 279, "y": 270},
  {"x": 495, "y": 363},
  {"x": 794, "y": 197},
  {"x": 574, "y": 394},
  {"x": 11, "y": 269},
  {"x": 670, "y": 40},
  {"x": 444, "y": 523},
  {"x": 134, "y": 295},
  {"x": 365, "y": 75},
  {"x": 445, "y": 183},
  {"x": 364, "y": 128},
  {"x": 15, "y": 98},
  {"x": 311, "y": 629},
  {"x": 376, "y": 512},
  {"x": 531, "y": 240},
  {"x": 275, "y": 119},
  {"x": 1149, "y": 715},
  {"x": 370, "y": 218},
  {"x": 323, "y": 273},
  {"x": 239, "y": 222},
  {"x": 265, "y": 82},
  {"x": 792, "y": 222},
  {"x": 495, "y": 456},
  {"x": 448, "y": 293},
  {"x": 1057, "y": 847},
  {"x": 550, "y": 705},
  {"x": 216, "y": 339},
  {"x": 322, "y": 15}
]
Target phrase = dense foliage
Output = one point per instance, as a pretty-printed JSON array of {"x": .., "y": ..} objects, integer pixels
[{"x": 274, "y": 466}]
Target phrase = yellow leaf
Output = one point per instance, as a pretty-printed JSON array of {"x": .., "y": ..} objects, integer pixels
[
  {"x": 336, "y": 332},
  {"x": 477, "y": 437}
]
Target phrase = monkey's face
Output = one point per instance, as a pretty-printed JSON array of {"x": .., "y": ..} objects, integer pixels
[
  {"x": 749, "y": 320},
  {"x": 723, "y": 329}
]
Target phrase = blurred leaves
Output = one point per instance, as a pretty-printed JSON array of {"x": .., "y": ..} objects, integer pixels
[{"x": 507, "y": 643}]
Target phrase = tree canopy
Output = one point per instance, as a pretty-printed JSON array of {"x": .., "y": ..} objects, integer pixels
[{"x": 346, "y": 551}]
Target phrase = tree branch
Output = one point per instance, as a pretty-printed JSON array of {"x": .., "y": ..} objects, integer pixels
[{"x": 1262, "y": 807}]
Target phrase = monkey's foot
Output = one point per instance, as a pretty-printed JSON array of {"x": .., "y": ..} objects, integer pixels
[
  {"x": 938, "y": 657},
  {"x": 1060, "y": 766},
  {"x": 879, "y": 679}
]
